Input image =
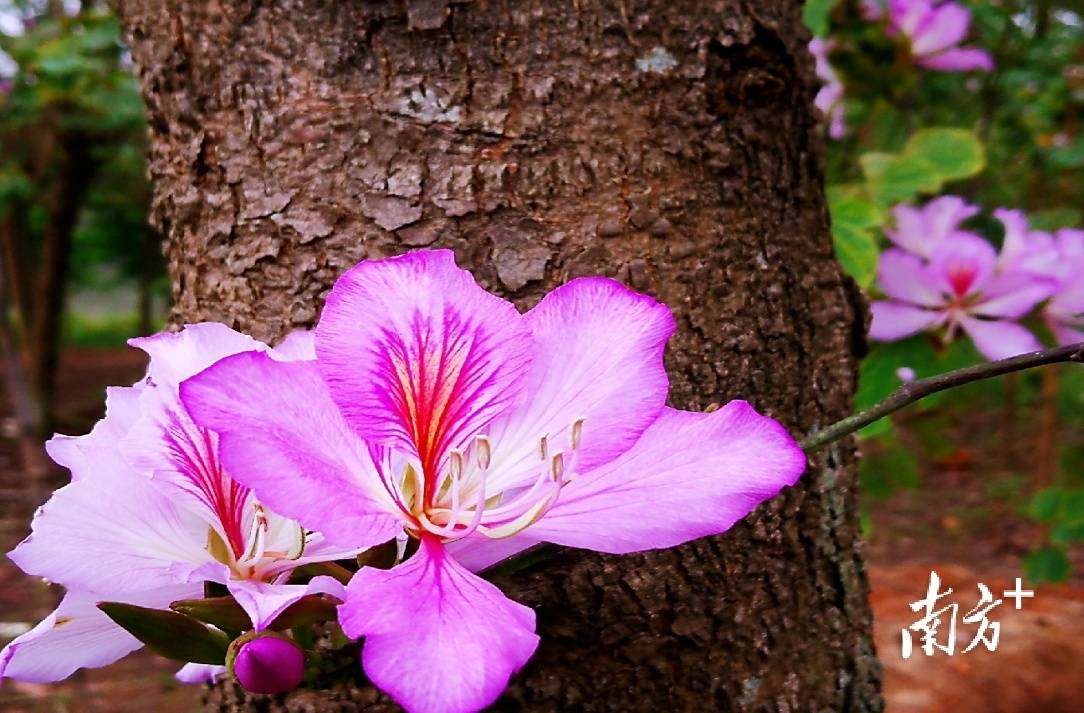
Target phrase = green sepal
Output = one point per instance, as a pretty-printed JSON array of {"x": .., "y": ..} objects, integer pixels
[
  {"x": 223, "y": 612},
  {"x": 310, "y": 609},
  {"x": 169, "y": 634}
]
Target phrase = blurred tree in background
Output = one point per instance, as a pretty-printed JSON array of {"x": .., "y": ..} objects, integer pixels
[{"x": 73, "y": 192}]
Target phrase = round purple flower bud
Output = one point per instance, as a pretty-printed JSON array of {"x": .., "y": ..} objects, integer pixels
[
  {"x": 905, "y": 374},
  {"x": 269, "y": 663}
]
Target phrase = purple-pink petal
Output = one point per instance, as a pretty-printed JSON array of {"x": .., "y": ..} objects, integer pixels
[
  {"x": 963, "y": 264},
  {"x": 1012, "y": 295},
  {"x": 598, "y": 356},
  {"x": 281, "y": 435},
  {"x": 438, "y": 639},
  {"x": 418, "y": 356},
  {"x": 895, "y": 320},
  {"x": 77, "y": 635},
  {"x": 298, "y": 345},
  {"x": 905, "y": 277},
  {"x": 1024, "y": 249},
  {"x": 690, "y": 475},
  {"x": 97, "y": 451},
  {"x": 199, "y": 673},
  {"x": 944, "y": 27},
  {"x": 999, "y": 339},
  {"x": 920, "y": 230},
  {"x": 959, "y": 59},
  {"x": 263, "y": 601},
  {"x": 115, "y": 532},
  {"x": 175, "y": 356},
  {"x": 477, "y": 552}
]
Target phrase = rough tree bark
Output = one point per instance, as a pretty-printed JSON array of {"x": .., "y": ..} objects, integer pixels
[{"x": 669, "y": 143}]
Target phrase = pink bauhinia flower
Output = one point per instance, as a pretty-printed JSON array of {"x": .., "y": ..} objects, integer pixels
[
  {"x": 1064, "y": 313},
  {"x": 934, "y": 30},
  {"x": 958, "y": 289},
  {"x": 829, "y": 97},
  {"x": 920, "y": 230},
  {"x": 1022, "y": 247},
  {"x": 436, "y": 409},
  {"x": 1059, "y": 257},
  {"x": 151, "y": 514}
]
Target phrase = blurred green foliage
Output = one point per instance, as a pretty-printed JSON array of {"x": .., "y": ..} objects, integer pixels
[
  {"x": 1013, "y": 137},
  {"x": 72, "y": 85}
]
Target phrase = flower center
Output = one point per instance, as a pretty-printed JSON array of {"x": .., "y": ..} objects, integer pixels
[
  {"x": 461, "y": 501},
  {"x": 264, "y": 547},
  {"x": 961, "y": 278}
]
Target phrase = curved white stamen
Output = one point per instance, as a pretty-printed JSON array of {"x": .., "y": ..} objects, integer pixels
[
  {"x": 258, "y": 537},
  {"x": 577, "y": 432},
  {"x": 557, "y": 466},
  {"x": 483, "y": 451},
  {"x": 460, "y": 504}
]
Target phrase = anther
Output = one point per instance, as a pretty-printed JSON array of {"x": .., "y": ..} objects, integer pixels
[
  {"x": 483, "y": 451},
  {"x": 543, "y": 447},
  {"x": 557, "y": 466},
  {"x": 577, "y": 432},
  {"x": 455, "y": 465}
]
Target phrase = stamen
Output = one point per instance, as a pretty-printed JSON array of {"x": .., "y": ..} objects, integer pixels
[
  {"x": 455, "y": 464},
  {"x": 483, "y": 451},
  {"x": 557, "y": 466},
  {"x": 258, "y": 538},
  {"x": 543, "y": 447},
  {"x": 298, "y": 549},
  {"x": 577, "y": 432}
]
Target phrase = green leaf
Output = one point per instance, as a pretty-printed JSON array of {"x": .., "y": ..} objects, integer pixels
[
  {"x": 954, "y": 153},
  {"x": 1065, "y": 533},
  {"x": 815, "y": 13},
  {"x": 1054, "y": 218},
  {"x": 1072, "y": 506},
  {"x": 877, "y": 376},
  {"x": 885, "y": 472},
  {"x": 877, "y": 429},
  {"x": 853, "y": 209},
  {"x": 169, "y": 634},
  {"x": 1049, "y": 564},
  {"x": 857, "y": 252},
  {"x": 1067, "y": 157},
  {"x": 895, "y": 179},
  {"x": 1044, "y": 504}
]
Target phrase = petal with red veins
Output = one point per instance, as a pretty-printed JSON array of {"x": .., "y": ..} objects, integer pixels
[
  {"x": 599, "y": 357},
  {"x": 281, "y": 435},
  {"x": 418, "y": 356}
]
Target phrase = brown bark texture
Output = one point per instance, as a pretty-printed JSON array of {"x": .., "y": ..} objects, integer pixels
[{"x": 669, "y": 143}]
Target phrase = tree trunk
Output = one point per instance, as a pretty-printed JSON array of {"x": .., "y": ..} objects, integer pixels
[
  {"x": 669, "y": 143},
  {"x": 76, "y": 168}
]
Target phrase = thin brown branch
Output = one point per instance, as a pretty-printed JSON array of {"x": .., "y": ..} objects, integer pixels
[{"x": 920, "y": 389}]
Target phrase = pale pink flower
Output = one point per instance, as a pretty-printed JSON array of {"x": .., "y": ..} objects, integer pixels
[
  {"x": 934, "y": 31},
  {"x": 829, "y": 97}
]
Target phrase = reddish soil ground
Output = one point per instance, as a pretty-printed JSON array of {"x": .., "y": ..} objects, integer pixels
[{"x": 955, "y": 524}]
